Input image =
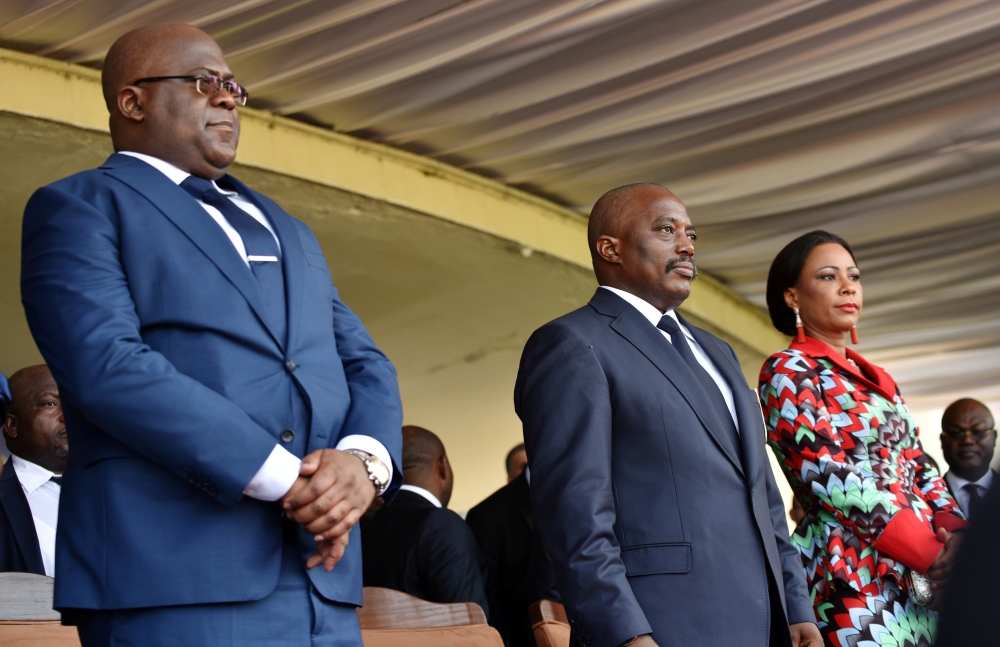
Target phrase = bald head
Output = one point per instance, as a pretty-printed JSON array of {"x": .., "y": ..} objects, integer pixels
[
  {"x": 967, "y": 438},
  {"x": 617, "y": 207},
  {"x": 188, "y": 124},
  {"x": 34, "y": 428},
  {"x": 425, "y": 464},
  {"x": 642, "y": 241}
]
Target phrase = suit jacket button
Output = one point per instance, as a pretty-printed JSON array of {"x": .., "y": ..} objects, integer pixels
[
  {"x": 290, "y": 365},
  {"x": 287, "y": 436}
]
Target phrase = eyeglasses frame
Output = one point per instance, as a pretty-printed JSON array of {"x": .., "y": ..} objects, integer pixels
[
  {"x": 977, "y": 434},
  {"x": 198, "y": 80}
]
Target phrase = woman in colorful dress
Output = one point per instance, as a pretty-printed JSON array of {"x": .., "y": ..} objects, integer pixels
[{"x": 877, "y": 538}]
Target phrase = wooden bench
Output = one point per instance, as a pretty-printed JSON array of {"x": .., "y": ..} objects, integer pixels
[
  {"x": 395, "y": 619},
  {"x": 549, "y": 623},
  {"x": 27, "y": 618}
]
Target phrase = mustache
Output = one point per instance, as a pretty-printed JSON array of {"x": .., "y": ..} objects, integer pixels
[{"x": 683, "y": 261}]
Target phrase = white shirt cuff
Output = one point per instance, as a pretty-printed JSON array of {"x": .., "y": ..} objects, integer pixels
[
  {"x": 370, "y": 445},
  {"x": 276, "y": 476}
]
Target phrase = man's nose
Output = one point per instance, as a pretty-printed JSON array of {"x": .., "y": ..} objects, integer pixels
[
  {"x": 686, "y": 246},
  {"x": 223, "y": 99}
]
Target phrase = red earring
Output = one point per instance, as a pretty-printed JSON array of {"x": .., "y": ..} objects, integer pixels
[
  {"x": 854, "y": 335},
  {"x": 801, "y": 331}
]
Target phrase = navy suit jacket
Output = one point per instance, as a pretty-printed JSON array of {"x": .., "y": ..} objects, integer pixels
[
  {"x": 653, "y": 520},
  {"x": 175, "y": 390},
  {"x": 19, "y": 550}
]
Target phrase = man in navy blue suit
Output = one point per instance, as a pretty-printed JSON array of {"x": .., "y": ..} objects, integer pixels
[
  {"x": 231, "y": 418},
  {"x": 649, "y": 483}
]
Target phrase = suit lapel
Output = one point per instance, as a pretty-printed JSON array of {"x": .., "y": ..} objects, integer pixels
[
  {"x": 22, "y": 525},
  {"x": 748, "y": 413},
  {"x": 174, "y": 203},
  {"x": 292, "y": 256},
  {"x": 636, "y": 329}
]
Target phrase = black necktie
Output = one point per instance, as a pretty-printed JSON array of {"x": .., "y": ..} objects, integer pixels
[
  {"x": 975, "y": 499},
  {"x": 57, "y": 480},
  {"x": 262, "y": 250},
  {"x": 678, "y": 340}
]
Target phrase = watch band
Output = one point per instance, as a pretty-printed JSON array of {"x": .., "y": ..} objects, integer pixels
[{"x": 372, "y": 463}]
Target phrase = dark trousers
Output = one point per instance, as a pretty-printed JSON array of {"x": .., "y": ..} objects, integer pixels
[{"x": 293, "y": 615}]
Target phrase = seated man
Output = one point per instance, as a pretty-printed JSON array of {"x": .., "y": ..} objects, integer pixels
[
  {"x": 416, "y": 544},
  {"x": 505, "y": 529},
  {"x": 29, "y": 486},
  {"x": 967, "y": 442}
]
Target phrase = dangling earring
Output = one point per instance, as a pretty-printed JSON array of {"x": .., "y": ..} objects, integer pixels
[
  {"x": 801, "y": 335},
  {"x": 854, "y": 335}
]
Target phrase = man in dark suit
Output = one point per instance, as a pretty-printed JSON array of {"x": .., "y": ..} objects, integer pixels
[
  {"x": 35, "y": 433},
  {"x": 968, "y": 439},
  {"x": 649, "y": 483},
  {"x": 417, "y": 545},
  {"x": 518, "y": 567},
  {"x": 231, "y": 418},
  {"x": 969, "y": 609}
]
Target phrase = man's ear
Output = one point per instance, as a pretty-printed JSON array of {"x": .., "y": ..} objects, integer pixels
[
  {"x": 607, "y": 248},
  {"x": 792, "y": 298},
  {"x": 131, "y": 103},
  {"x": 10, "y": 426}
]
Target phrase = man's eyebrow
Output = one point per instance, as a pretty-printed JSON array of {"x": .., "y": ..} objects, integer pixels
[
  {"x": 49, "y": 394},
  {"x": 213, "y": 72}
]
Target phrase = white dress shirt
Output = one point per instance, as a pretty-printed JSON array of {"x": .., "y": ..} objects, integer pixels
[
  {"x": 653, "y": 314},
  {"x": 278, "y": 473},
  {"x": 43, "y": 499},
  {"x": 422, "y": 492},
  {"x": 957, "y": 484}
]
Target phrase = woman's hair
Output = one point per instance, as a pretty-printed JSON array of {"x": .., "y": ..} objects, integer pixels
[{"x": 786, "y": 269}]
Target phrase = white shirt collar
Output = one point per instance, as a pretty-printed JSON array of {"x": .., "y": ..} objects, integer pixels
[
  {"x": 30, "y": 475},
  {"x": 422, "y": 492},
  {"x": 648, "y": 310},
  {"x": 957, "y": 482},
  {"x": 175, "y": 174}
]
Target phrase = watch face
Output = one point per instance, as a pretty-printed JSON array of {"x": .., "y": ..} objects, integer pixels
[{"x": 381, "y": 471}]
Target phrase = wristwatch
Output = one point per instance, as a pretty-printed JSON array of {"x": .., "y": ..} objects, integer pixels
[{"x": 378, "y": 473}]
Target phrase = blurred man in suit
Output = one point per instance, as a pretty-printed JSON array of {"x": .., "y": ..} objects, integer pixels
[
  {"x": 35, "y": 433},
  {"x": 649, "y": 483},
  {"x": 231, "y": 418},
  {"x": 968, "y": 438},
  {"x": 417, "y": 545},
  {"x": 518, "y": 567},
  {"x": 517, "y": 460}
]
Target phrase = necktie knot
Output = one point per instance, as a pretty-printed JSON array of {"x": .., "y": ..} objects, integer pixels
[
  {"x": 57, "y": 480},
  {"x": 669, "y": 325},
  {"x": 199, "y": 188}
]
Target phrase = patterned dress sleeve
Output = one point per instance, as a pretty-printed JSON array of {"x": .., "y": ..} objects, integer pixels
[
  {"x": 827, "y": 452},
  {"x": 930, "y": 483}
]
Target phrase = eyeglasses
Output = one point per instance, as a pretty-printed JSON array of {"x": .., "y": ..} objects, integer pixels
[
  {"x": 208, "y": 84},
  {"x": 958, "y": 434}
]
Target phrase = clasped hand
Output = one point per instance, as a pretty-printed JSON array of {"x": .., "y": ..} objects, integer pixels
[
  {"x": 328, "y": 498},
  {"x": 939, "y": 570}
]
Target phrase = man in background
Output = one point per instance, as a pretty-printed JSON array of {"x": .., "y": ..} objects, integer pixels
[
  {"x": 968, "y": 439},
  {"x": 4, "y": 403},
  {"x": 416, "y": 544},
  {"x": 522, "y": 573},
  {"x": 517, "y": 460},
  {"x": 35, "y": 433}
]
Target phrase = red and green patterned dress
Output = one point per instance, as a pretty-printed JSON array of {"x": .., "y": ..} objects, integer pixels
[{"x": 849, "y": 449}]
